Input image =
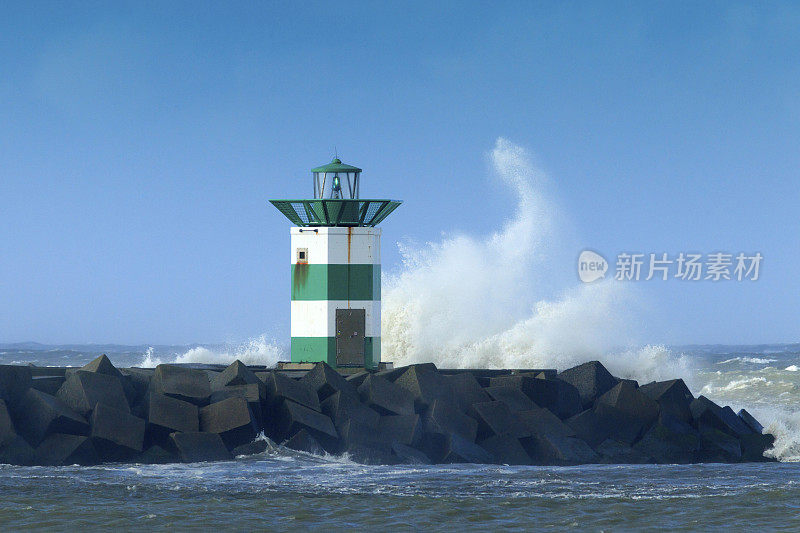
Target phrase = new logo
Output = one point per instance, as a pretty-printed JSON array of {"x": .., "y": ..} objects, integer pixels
[{"x": 591, "y": 266}]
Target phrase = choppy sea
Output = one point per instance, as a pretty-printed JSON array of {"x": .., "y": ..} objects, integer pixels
[{"x": 285, "y": 490}]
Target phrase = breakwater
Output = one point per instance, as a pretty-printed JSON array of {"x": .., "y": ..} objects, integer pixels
[{"x": 414, "y": 414}]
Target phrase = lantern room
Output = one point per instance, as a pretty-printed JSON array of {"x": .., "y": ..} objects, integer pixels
[{"x": 336, "y": 181}]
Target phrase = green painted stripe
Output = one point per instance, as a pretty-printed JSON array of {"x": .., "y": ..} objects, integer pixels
[
  {"x": 315, "y": 349},
  {"x": 336, "y": 282}
]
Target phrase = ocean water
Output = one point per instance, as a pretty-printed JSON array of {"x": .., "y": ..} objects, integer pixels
[{"x": 285, "y": 490}]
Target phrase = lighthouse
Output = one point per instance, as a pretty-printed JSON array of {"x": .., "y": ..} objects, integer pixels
[{"x": 336, "y": 270}]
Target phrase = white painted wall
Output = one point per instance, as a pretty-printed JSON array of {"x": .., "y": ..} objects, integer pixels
[
  {"x": 317, "y": 318},
  {"x": 328, "y": 246}
]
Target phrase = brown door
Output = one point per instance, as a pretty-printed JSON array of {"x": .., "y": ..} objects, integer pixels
[{"x": 350, "y": 329}]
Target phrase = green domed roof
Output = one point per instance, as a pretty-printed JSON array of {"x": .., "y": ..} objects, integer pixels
[{"x": 336, "y": 166}]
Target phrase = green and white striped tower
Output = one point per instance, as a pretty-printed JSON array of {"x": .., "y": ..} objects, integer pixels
[{"x": 336, "y": 270}]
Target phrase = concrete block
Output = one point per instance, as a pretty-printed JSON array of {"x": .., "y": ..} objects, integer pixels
[
  {"x": 232, "y": 419},
  {"x": 434, "y": 446},
  {"x": 540, "y": 421},
  {"x": 280, "y": 388},
  {"x": 408, "y": 455},
  {"x": 737, "y": 425},
  {"x": 666, "y": 446},
  {"x": 602, "y": 422},
  {"x": 116, "y": 434},
  {"x": 196, "y": 447},
  {"x": 292, "y": 417},
  {"x": 453, "y": 448},
  {"x": 514, "y": 381},
  {"x": 719, "y": 447},
  {"x": 254, "y": 447},
  {"x": 591, "y": 379},
  {"x": 341, "y": 407},
  {"x": 754, "y": 445},
  {"x": 355, "y": 434},
  {"x": 391, "y": 374},
  {"x": 566, "y": 400},
  {"x": 166, "y": 415},
  {"x": 513, "y": 397},
  {"x": 304, "y": 441},
  {"x": 102, "y": 365},
  {"x": 358, "y": 378},
  {"x": 83, "y": 390},
  {"x": 15, "y": 450},
  {"x": 506, "y": 450},
  {"x": 61, "y": 449},
  {"x": 555, "y": 450},
  {"x": 14, "y": 381},
  {"x": 674, "y": 424},
  {"x": 405, "y": 429},
  {"x": 707, "y": 414},
  {"x": 47, "y": 384},
  {"x": 559, "y": 396},
  {"x": 212, "y": 375},
  {"x": 588, "y": 427},
  {"x": 155, "y": 455},
  {"x": 47, "y": 370},
  {"x": 672, "y": 396},
  {"x": 495, "y": 418},
  {"x": 750, "y": 420},
  {"x": 615, "y": 452},
  {"x": 38, "y": 414},
  {"x": 425, "y": 385},
  {"x": 465, "y": 390},
  {"x": 181, "y": 383},
  {"x": 673, "y": 387},
  {"x": 7, "y": 431},
  {"x": 236, "y": 373},
  {"x": 444, "y": 417},
  {"x": 253, "y": 393},
  {"x": 386, "y": 397},
  {"x": 326, "y": 381},
  {"x": 368, "y": 455},
  {"x": 139, "y": 381},
  {"x": 632, "y": 402}
]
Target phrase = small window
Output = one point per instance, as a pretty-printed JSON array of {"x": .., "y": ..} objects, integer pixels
[{"x": 302, "y": 255}]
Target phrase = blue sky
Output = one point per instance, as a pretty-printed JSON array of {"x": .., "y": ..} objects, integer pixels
[{"x": 140, "y": 142}]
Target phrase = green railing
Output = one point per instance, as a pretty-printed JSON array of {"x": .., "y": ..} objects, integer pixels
[{"x": 336, "y": 212}]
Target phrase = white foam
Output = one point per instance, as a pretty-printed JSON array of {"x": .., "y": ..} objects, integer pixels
[
  {"x": 256, "y": 351},
  {"x": 736, "y": 384},
  {"x": 754, "y": 360},
  {"x": 479, "y": 302},
  {"x": 460, "y": 302},
  {"x": 785, "y": 425}
]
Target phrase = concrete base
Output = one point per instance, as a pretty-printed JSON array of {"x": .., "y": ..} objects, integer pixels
[{"x": 346, "y": 370}]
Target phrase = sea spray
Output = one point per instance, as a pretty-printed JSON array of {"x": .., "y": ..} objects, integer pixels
[
  {"x": 256, "y": 351},
  {"x": 476, "y": 302},
  {"x": 460, "y": 302}
]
